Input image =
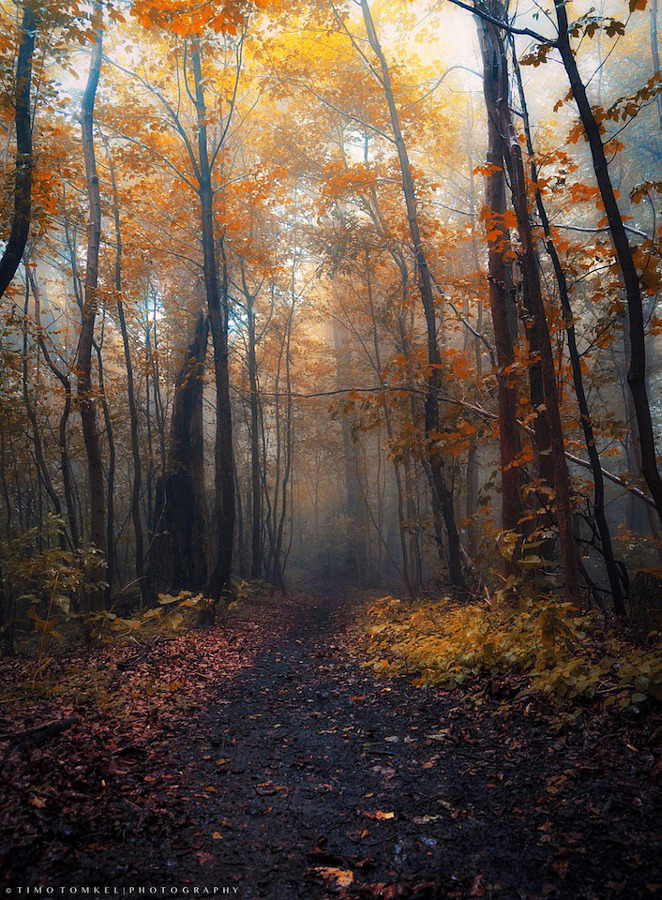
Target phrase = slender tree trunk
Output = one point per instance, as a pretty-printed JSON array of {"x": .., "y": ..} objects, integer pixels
[
  {"x": 6, "y": 616},
  {"x": 241, "y": 548},
  {"x": 279, "y": 560},
  {"x": 151, "y": 513},
  {"x": 256, "y": 483},
  {"x": 43, "y": 473},
  {"x": 578, "y": 379},
  {"x": 435, "y": 461},
  {"x": 9, "y": 512},
  {"x": 13, "y": 252},
  {"x": 655, "y": 53},
  {"x": 355, "y": 549},
  {"x": 633, "y": 452},
  {"x": 65, "y": 460},
  {"x": 629, "y": 276},
  {"x": 410, "y": 571},
  {"x": 110, "y": 477},
  {"x": 136, "y": 487},
  {"x": 473, "y": 464},
  {"x": 159, "y": 411},
  {"x": 86, "y": 400},
  {"x": 217, "y": 301}
]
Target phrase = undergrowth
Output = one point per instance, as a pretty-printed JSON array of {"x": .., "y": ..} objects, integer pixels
[{"x": 566, "y": 658}]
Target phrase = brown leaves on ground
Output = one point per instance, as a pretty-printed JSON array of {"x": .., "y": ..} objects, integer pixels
[
  {"x": 108, "y": 774},
  {"x": 265, "y": 755}
]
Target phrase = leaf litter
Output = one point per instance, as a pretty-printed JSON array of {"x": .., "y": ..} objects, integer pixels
[{"x": 264, "y": 755}]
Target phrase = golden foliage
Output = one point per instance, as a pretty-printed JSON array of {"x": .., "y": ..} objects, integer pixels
[{"x": 562, "y": 653}]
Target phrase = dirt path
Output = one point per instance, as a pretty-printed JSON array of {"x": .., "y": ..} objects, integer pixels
[{"x": 306, "y": 777}]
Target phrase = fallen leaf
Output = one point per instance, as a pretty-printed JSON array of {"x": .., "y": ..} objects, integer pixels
[
  {"x": 267, "y": 788},
  {"x": 477, "y": 886},
  {"x": 340, "y": 877}
]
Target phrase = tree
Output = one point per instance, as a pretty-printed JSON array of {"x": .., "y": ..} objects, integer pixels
[
  {"x": 86, "y": 399},
  {"x": 440, "y": 487},
  {"x": 628, "y": 270},
  {"x": 13, "y": 252}
]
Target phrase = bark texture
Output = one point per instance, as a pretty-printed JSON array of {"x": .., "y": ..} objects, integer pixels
[
  {"x": 179, "y": 559},
  {"x": 18, "y": 236}
]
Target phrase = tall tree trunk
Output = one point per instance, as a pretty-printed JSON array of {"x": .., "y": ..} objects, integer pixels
[
  {"x": 410, "y": 549},
  {"x": 655, "y": 53},
  {"x": 628, "y": 270},
  {"x": 279, "y": 558},
  {"x": 112, "y": 459},
  {"x": 256, "y": 482},
  {"x": 241, "y": 550},
  {"x": 217, "y": 301},
  {"x": 86, "y": 401},
  {"x": 136, "y": 487},
  {"x": 355, "y": 548},
  {"x": 473, "y": 464},
  {"x": 540, "y": 330},
  {"x": 151, "y": 512},
  {"x": 7, "y": 612},
  {"x": 178, "y": 558},
  {"x": 502, "y": 305},
  {"x": 633, "y": 454},
  {"x": 18, "y": 236},
  {"x": 435, "y": 462},
  {"x": 578, "y": 379},
  {"x": 43, "y": 472},
  {"x": 9, "y": 506},
  {"x": 65, "y": 459}
]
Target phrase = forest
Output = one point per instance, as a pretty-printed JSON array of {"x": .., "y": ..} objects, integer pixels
[{"x": 330, "y": 419}]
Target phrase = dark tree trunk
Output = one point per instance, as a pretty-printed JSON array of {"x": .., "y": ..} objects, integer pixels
[
  {"x": 65, "y": 460},
  {"x": 500, "y": 286},
  {"x": 136, "y": 487},
  {"x": 655, "y": 53},
  {"x": 637, "y": 368},
  {"x": 43, "y": 472},
  {"x": 434, "y": 459},
  {"x": 256, "y": 478},
  {"x": 578, "y": 379},
  {"x": 539, "y": 329},
  {"x": 355, "y": 548},
  {"x": 6, "y": 616},
  {"x": 86, "y": 402},
  {"x": 18, "y": 236},
  {"x": 178, "y": 558},
  {"x": 279, "y": 557},
  {"x": 409, "y": 547},
  {"x": 217, "y": 302},
  {"x": 110, "y": 476}
]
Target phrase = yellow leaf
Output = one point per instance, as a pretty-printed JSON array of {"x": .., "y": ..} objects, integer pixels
[
  {"x": 379, "y": 814},
  {"x": 341, "y": 877}
]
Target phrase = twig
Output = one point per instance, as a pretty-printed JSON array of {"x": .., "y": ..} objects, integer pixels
[{"x": 39, "y": 733}]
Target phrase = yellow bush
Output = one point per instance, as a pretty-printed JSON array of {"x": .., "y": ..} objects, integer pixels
[{"x": 566, "y": 656}]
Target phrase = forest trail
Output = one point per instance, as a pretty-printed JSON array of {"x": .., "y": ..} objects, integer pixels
[{"x": 304, "y": 776}]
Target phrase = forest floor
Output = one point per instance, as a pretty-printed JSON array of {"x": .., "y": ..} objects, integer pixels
[{"x": 260, "y": 759}]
